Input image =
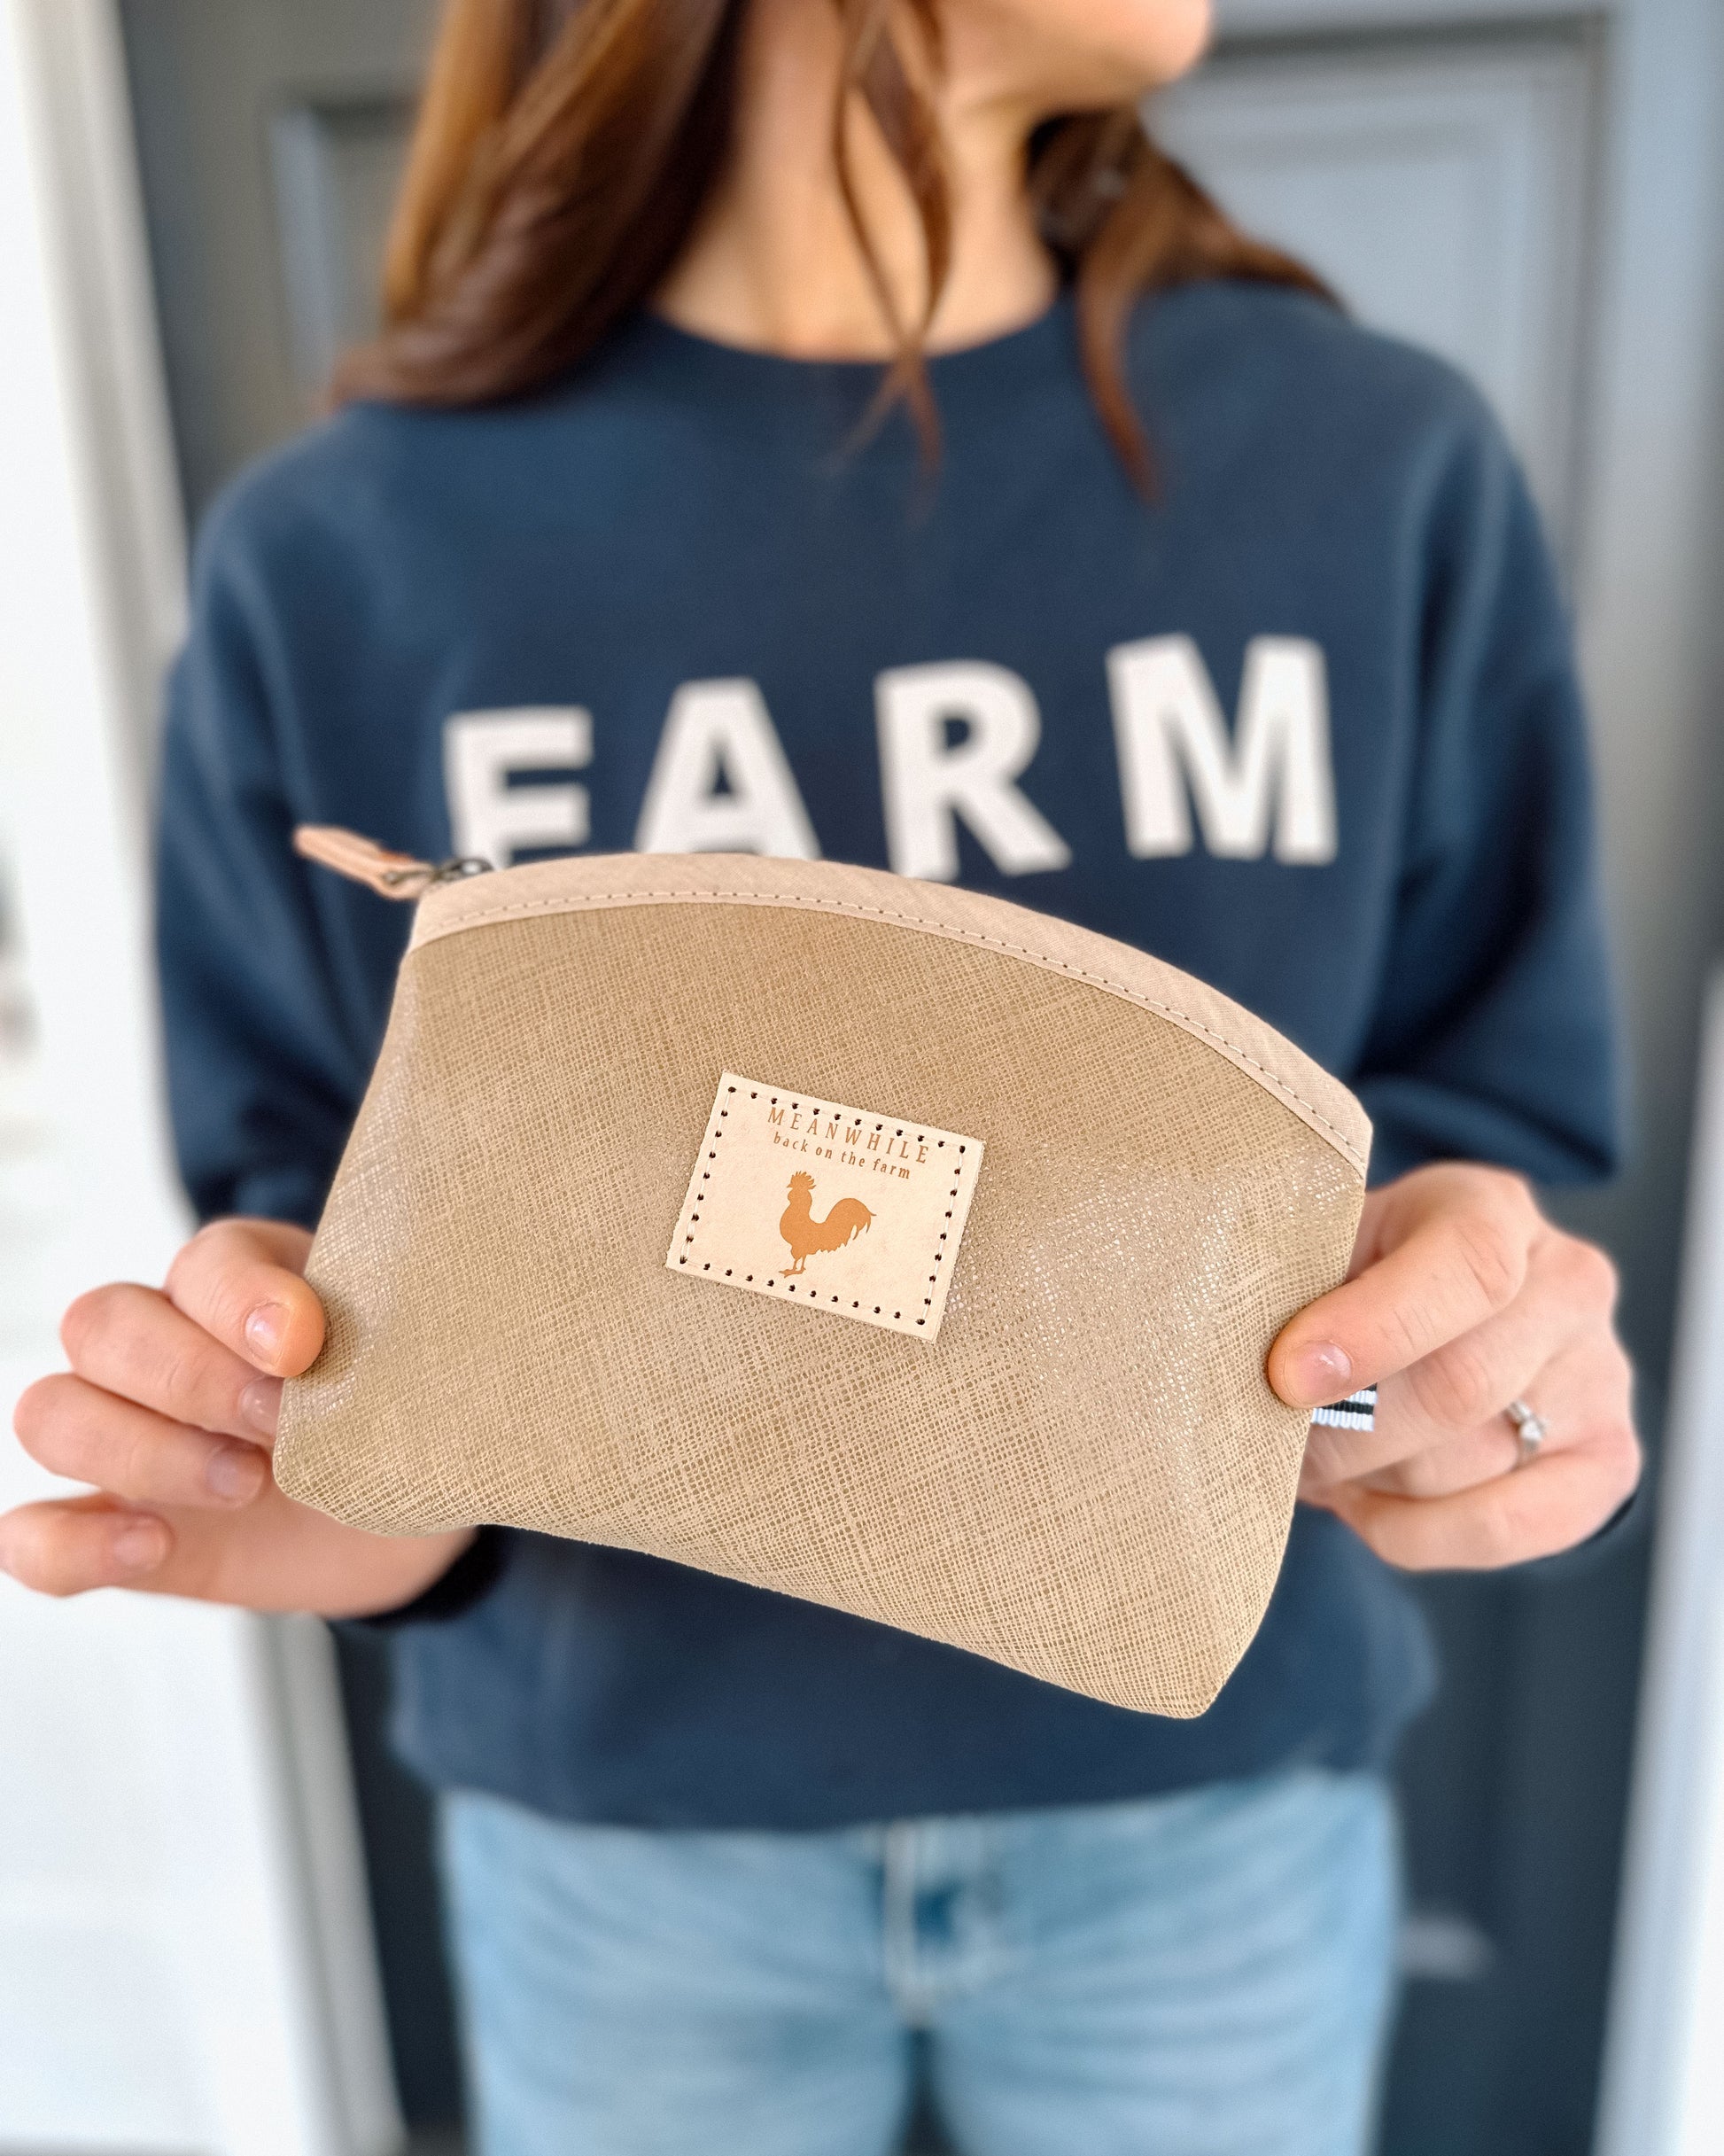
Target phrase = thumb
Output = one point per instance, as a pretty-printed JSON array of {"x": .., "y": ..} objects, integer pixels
[{"x": 244, "y": 1283}]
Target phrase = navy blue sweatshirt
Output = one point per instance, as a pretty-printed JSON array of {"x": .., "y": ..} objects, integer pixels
[{"x": 1303, "y": 722}]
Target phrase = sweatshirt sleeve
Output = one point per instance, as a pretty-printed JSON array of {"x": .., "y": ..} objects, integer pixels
[
  {"x": 1492, "y": 1035},
  {"x": 265, "y": 1066}
]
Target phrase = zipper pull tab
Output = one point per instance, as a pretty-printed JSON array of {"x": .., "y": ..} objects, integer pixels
[{"x": 362, "y": 861}]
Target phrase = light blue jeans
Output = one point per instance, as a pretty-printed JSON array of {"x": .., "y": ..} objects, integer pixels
[{"x": 1206, "y": 1974}]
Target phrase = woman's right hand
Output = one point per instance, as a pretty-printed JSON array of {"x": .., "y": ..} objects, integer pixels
[{"x": 170, "y": 1409}]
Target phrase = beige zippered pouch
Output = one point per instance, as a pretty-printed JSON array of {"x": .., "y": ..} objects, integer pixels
[{"x": 870, "y": 1240}]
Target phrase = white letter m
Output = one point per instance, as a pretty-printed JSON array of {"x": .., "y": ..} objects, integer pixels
[{"x": 1174, "y": 749}]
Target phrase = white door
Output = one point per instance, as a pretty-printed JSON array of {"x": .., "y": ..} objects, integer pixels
[{"x": 1531, "y": 190}]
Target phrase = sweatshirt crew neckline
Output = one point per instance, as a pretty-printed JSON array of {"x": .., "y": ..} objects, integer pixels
[{"x": 776, "y": 395}]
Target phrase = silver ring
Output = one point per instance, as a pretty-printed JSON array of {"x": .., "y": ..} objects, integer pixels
[{"x": 1531, "y": 1429}]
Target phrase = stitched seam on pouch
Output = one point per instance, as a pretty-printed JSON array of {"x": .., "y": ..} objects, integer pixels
[{"x": 1272, "y": 1080}]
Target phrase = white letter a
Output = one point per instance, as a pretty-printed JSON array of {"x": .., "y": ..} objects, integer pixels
[{"x": 722, "y": 729}]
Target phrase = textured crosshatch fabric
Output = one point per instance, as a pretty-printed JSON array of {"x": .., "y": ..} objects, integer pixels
[{"x": 1085, "y": 1476}]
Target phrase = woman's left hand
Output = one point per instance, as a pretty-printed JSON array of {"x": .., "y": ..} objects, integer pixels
[{"x": 1462, "y": 1298}]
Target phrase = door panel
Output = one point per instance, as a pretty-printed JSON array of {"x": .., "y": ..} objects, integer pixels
[
  {"x": 336, "y": 163},
  {"x": 1441, "y": 185},
  {"x": 1443, "y": 181},
  {"x": 215, "y": 83}
]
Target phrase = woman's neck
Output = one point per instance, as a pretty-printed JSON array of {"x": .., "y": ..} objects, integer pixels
[{"x": 773, "y": 263}]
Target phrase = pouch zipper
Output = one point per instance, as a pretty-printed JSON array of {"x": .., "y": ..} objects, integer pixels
[{"x": 391, "y": 876}]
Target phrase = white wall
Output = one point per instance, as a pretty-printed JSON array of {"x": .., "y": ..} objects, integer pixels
[{"x": 184, "y": 1963}]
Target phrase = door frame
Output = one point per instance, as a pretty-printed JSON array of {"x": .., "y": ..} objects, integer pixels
[{"x": 1664, "y": 2089}]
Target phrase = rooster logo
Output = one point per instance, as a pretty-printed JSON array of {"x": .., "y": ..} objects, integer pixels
[{"x": 805, "y": 1234}]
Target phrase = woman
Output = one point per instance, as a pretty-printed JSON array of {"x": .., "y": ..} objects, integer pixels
[{"x": 628, "y": 537}]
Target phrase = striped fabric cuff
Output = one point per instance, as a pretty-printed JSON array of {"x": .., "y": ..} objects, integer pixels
[{"x": 1356, "y": 1412}]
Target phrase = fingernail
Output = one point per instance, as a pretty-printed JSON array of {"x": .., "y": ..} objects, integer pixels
[
  {"x": 1320, "y": 1373},
  {"x": 235, "y": 1474},
  {"x": 140, "y": 1545},
  {"x": 260, "y": 1404},
  {"x": 266, "y": 1329}
]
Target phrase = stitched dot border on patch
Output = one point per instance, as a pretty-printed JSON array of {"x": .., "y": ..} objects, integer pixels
[{"x": 854, "y": 1212}]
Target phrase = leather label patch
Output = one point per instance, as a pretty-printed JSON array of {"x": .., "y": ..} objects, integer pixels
[{"x": 845, "y": 1209}]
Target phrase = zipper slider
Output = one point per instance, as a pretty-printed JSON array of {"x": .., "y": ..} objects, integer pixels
[{"x": 391, "y": 876}]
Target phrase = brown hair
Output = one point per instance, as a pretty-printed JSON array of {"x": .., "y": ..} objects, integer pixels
[{"x": 564, "y": 149}]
